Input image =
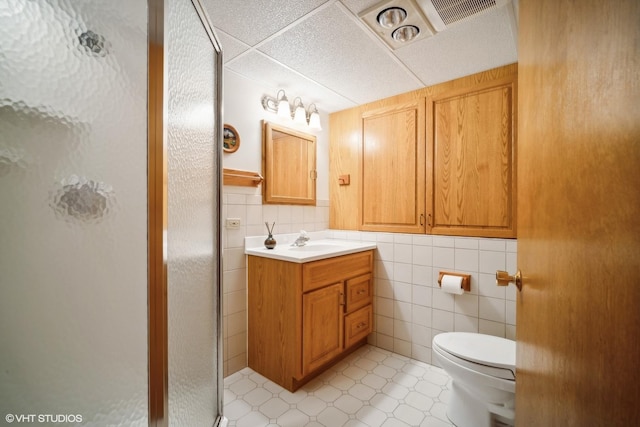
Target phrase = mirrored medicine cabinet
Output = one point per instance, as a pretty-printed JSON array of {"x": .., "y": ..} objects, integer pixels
[{"x": 288, "y": 166}]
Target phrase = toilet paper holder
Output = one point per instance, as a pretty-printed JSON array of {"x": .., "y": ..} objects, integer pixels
[{"x": 466, "y": 279}]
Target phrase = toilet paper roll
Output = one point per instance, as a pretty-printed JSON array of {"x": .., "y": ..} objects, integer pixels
[{"x": 452, "y": 284}]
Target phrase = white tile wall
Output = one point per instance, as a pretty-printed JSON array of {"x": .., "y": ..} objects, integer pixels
[
  {"x": 409, "y": 306},
  {"x": 410, "y": 309}
]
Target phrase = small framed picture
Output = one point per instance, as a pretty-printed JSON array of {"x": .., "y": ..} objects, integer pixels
[{"x": 230, "y": 139}]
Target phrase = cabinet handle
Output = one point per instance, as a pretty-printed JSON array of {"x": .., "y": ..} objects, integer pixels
[
  {"x": 342, "y": 298},
  {"x": 362, "y": 291},
  {"x": 421, "y": 219},
  {"x": 429, "y": 222},
  {"x": 361, "y": 325}
]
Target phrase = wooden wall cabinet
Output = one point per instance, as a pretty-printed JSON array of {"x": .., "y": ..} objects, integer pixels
[
  {"x": 393, "y": 168},
  {"x": 472, "y": 149},
  {"x": 288, "y": 166},
  {"x": 447, "y": 151},
  {"x": 304, "y": 317}
]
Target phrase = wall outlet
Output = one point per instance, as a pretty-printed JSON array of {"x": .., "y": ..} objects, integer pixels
[{"x": 232, "y": 223}]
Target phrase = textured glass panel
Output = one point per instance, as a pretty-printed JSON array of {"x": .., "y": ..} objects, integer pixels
[
  {"x": 192, "y": 218},
  {"x": 73, "y": 211}
]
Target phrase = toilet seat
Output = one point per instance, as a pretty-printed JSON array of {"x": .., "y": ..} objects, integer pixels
[{"x": 487, "y": 354}]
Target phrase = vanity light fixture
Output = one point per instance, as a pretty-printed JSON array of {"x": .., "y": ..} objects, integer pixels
[{"x": 280, "y": 106}]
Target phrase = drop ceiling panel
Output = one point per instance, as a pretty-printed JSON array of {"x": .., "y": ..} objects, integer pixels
[
  {"x": 255, "y": 20},
  {"x": 258, "y": 67},
  {"x": 478, "y": 44},
  {"x": 357, "y": 6},
  {"x": 231, "y": 47},
  {"x": 333, "y": 49}
]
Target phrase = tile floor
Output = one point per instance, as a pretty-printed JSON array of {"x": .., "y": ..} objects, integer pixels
[{"x": 371, "y": 387}]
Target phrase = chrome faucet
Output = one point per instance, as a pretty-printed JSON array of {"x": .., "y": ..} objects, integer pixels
[{"x": 302, "y": 239}]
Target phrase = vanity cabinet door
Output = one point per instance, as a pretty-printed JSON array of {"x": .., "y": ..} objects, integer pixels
[{"x": 322, "y": 330}]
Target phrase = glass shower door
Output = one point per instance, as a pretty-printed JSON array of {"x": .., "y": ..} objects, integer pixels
[
  {"x": 73, "y": 212},
  {"x": 75, "y": 208},
  {"x": 193, "y": 62}
]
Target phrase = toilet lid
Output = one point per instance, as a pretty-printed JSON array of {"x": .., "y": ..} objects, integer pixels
[{"x": 479, "y": 348}]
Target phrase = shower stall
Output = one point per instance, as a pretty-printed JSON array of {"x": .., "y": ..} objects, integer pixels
[{"x": 110, "y": 252}]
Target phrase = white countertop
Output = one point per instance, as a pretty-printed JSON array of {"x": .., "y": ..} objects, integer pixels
[{"x": 318, "y": 247}]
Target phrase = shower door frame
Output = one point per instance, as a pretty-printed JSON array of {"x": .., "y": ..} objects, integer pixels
[{"x": 158, "y": 213}]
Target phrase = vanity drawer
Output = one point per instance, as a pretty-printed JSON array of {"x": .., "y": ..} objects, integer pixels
[
  {"x": 317, "y": 274},
  {"x": 359, "y": 291},
  {"x": 358, "y": 325}
]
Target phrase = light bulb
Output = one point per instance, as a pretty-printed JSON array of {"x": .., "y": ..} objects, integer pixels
[
  {"x": 300, "y": 115},
  {"x": 314, "y": 121},
  {"x": 284, "y": 109}
]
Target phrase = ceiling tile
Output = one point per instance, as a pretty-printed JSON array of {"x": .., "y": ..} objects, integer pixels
[
  {"x": 336, "y": 51},
  {"x": 231, "y": 47},
  {"x": 260, "y": 68},
  {"x": 481, "y": 43},
  {"x": 255, "y": 20},
  {"x": 357, "y": 6}
]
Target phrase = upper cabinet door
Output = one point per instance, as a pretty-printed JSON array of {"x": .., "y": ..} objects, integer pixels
[
  {"x": 393, "y": 168},
  {"x": 289, "y": 166},
  {"x": 471, "y": 142}
]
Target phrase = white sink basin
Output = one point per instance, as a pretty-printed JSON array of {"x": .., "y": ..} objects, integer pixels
[
  {"x": 312, "y": 251},
  {"x": 316, "y": 247}
]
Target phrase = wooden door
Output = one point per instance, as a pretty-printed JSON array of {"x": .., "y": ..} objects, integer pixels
[
  {"x": 322, "y": 328},
  {"x": 393, "y": 168},
  {"x": 578, "y": 315}
]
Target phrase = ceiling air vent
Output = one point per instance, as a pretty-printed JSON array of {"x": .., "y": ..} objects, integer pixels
[{"x": 443, "y": 13}]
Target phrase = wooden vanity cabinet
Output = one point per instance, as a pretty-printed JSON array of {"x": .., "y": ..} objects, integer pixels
[{"x": 304, "y": 317}]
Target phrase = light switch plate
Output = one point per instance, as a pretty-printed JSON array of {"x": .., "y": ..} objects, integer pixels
[{"x": 233, "y": 223}]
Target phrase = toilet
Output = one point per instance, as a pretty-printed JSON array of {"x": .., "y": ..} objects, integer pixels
[{"x": 482, "y": 368}]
